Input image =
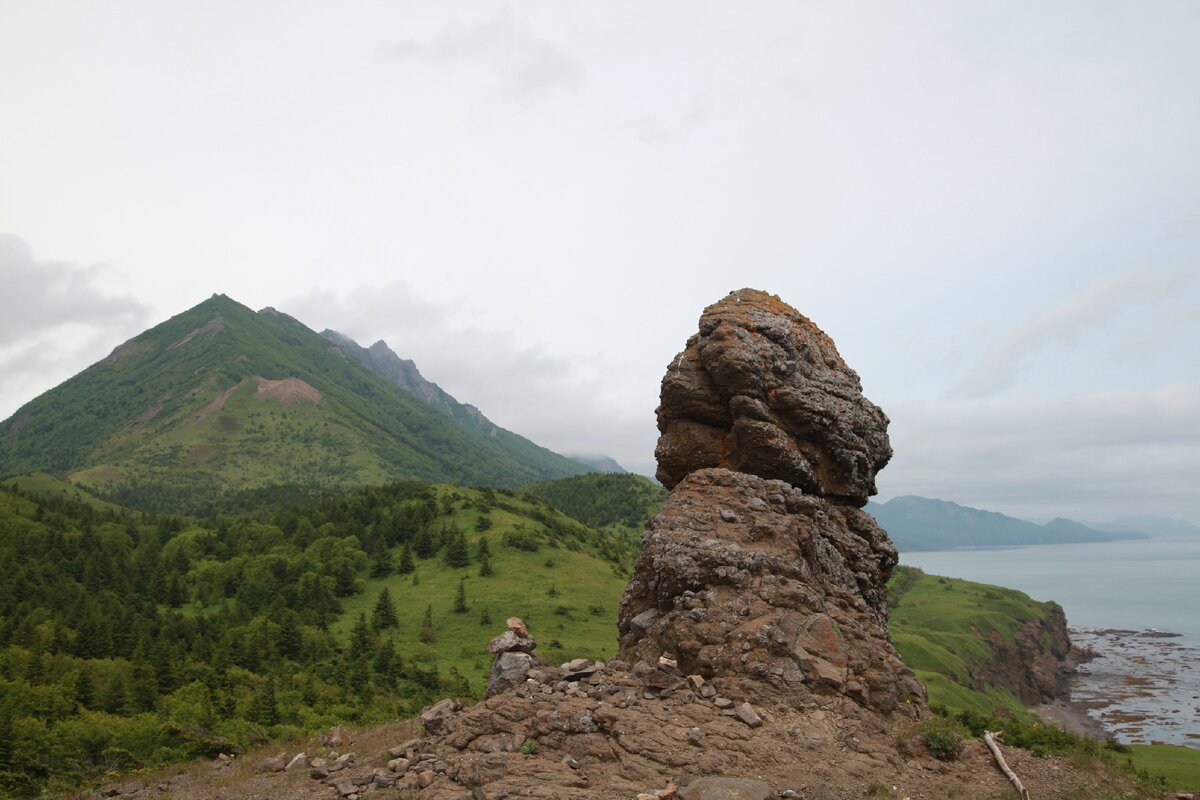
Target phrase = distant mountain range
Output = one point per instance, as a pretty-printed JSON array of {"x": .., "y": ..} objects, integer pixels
[
  {"x": 1158, "y": 527},
  {"x": 921, "y": 523},
  {"x": 599, "y": 463},
  {"x": 221, "y": 398}
]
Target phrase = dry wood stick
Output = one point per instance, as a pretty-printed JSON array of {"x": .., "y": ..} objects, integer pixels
[{"x": 990, "y": 739}]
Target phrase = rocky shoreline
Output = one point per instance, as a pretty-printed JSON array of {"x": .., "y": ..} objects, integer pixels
[{"x": 1140, "y": 687}]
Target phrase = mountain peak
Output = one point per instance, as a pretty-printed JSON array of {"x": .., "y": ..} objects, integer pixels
[{"x": 221, "y": 398}]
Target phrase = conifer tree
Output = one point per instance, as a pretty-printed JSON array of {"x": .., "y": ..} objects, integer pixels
[
  {"x": 484, "y": 553},
  {"x": 145, "y": 687},
  {"x": 428, "y": 635},
  {"x": 485, "y": 617},
  {"x": 381, "y": 565},
  {"x": 386, "y": 664},
  {"x": 406, "y": 561},
  {"x": 456, "y": 549},
  {"x": 115, "y": 698},
  {"x": 423, "y": 543},
  {"x": 84, "y": 689},
  {"x": 289, "y": 641},
  {"x": 460, "y": 597},
  {"x": 360, "y": 636},
  {"x": 264, "y": 709},
  {"x": 6, "y": 733},
  {"x": 384, "y": 615}
]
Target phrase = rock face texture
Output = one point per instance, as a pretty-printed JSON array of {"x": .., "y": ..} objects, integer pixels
[
  {"x": 761, "y": 572},
  {"x": 761, "y": 389},
  {"x": 776, "y": 593}
]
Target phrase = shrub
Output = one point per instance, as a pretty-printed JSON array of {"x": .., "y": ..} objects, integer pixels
[{"x": 943, "y": 744}]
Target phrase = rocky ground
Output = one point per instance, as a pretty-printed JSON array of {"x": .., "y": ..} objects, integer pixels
[{"x": 607, "y": 732}]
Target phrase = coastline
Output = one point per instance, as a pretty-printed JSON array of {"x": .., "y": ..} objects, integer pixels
[
  {"x": 1071, "y": 717},
  {"x": 1134, "y": 687}
]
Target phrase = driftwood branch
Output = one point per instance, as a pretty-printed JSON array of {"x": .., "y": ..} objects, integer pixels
[{"x": 991, "y": 739}]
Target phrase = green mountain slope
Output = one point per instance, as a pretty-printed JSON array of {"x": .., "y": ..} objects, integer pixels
[
  {"x": 402, "y": 372},
  {"x": 921, "y": 523},
  {"x": 221, "y": 398},
  {"x": 603, "y": 500}
]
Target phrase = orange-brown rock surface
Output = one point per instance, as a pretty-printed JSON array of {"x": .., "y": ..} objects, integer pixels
[
  {"x": 774, "y": 593},
  {"x": 761, "y": 389}
]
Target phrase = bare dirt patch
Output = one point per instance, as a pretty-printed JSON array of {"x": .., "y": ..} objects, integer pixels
[
  {"x": 150, "y": 413},
  {"x": 287, "y": 392},
  {"x": 217, "y": 403}
]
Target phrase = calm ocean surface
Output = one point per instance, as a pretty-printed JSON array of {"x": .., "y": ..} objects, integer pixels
[
  {"x": 1152, "y": 583},
  {"x": 1141, "y": 688}
]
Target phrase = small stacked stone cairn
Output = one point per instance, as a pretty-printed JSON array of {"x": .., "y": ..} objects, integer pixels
[{"x": 515, "y": 652}]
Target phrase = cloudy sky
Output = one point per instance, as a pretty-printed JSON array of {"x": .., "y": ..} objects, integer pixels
[{"x": 993, "y": 208}]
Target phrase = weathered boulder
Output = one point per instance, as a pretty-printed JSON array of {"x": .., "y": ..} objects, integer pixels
[
  {"x": 777, "y": 593},
  {"x": 509, "y": 641},
  {"x": 435, "y": 718},
  {"x": 762, "y": 390},
  {"x": 509, "y": 671}
]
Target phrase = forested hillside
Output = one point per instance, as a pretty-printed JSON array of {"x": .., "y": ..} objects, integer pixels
[
  {"x": 601, "y": 500},
  {"x": 131, "y": 639}
]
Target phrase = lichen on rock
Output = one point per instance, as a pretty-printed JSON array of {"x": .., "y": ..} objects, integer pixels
[{"x": 761, "y": 389}]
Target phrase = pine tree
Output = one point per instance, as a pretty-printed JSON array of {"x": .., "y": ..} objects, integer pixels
[
  {"x": 485, "y": 617},
  {"x": 386, "y": 664},
  {"x": 381, "y": 565},
  {"x": 406, "y": 561},
  {"x": 423, "y": 543},
  {"x": 384, "y": 615},
  {"x": 289, "y": 641},
  {"x": 6, "y": 733},
  {"x": 145, "y": 687},
  {"x": 484, "y": 552},
  {"x": 115, "y": 697},
  {"x": 85, "y": 690},
  {"x": 460, "y": 597},
  {"x": 360, "y": 636},
  {"x": 428, "y": 634},
  {"x": 456, "y": 549},
  {"x": 264, "y": 709}
]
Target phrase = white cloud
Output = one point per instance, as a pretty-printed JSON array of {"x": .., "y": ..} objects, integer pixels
[
  {"x": 1000, "y": 366},
  {"x": 1090, "y": 456},
  {"x": 56, "y": 317},
  {"x": 527, "y": 66},
  {"x": 40, "y": 296}
]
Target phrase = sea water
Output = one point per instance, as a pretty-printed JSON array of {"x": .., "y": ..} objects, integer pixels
[{"x": 1119, "y": 597}]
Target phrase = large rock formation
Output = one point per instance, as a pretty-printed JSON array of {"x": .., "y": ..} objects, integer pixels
[
  {"x": 761, "y": 572},
  {"x": 761, "y": 389}
]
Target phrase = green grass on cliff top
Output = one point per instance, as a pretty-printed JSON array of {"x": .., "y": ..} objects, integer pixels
[{"x": 942, "y": 629}]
